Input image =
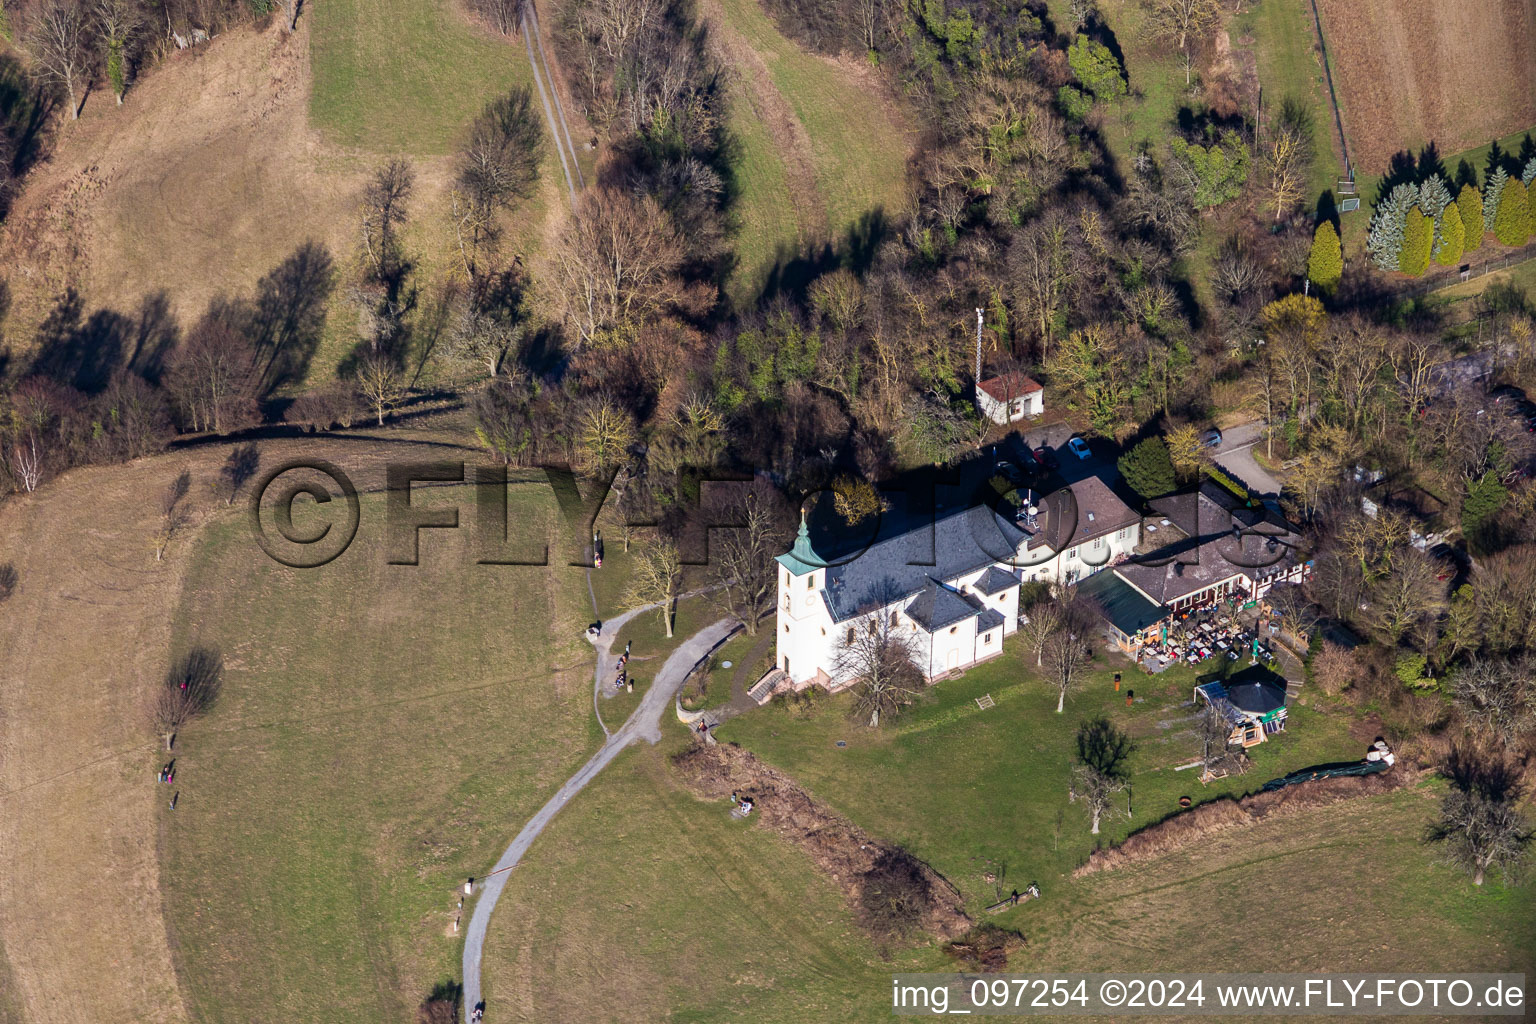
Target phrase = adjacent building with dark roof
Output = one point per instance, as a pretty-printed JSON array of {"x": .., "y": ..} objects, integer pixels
[{"x": 948, "y": 576}]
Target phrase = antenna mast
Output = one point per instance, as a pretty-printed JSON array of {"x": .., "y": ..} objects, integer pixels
[{"x": 978, "y": 357}]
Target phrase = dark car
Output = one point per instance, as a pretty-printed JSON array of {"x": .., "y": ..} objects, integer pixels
[
  {"x": 1211, "y": 439},
  {"x": 1046, "y": 457},
  {"x": 1012, "y": 473},
  {"x": 1508, "y": 394}
]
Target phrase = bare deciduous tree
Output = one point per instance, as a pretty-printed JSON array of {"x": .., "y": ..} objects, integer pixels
[
  {"x": 380, "y": 384},
  {"x": 614, "y": 269},
  {"x": 1498, "y": 694},
  {"x": 24, "y": 459},
  {"x": 1067, "y": 653},
  {"x": 743, "y": 565},
  {"x": 1481, "y": 827},
  {"x": 1216, "y": 751},
  {"x": 238, "y": 468},
  {"x": 481, "y": 336},
  {"x": 59, "y": 40},
  {"x": 1100, "y": 772},
  {"x": 384, "y": 211},
  {"x": 606, "y": 432},
  {"x": 1181, "y": 20},
  {"x": 1285, "y": 155},
  {"x": 214, "y": 377},
  {"x": 189, "y": 689},
  {"x": 881, "y": 658},
  {"x": 658, "y": 572},
  {"x": 172, "y": 513},
  {"x": 894, "y": 893},
  {"x": 1043, "y": 622}
]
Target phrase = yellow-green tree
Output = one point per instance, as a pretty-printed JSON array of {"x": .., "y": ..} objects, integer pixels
[
  {"x": 1512, "y": 224},
  {"x": 1325, "y": 266},
  {"x": 1470, "y": 205},
  {"x": 1184, "y": 448},
  {"x": 1418, "y": 239},
  {"x": 1451, "y": 237}
]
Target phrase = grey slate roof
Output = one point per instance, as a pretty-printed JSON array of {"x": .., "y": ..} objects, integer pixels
[
  {"x": 990, "y": 618},
  {"x": 996, "y": 580},
  {"x": 936, "y": 607},
  {"x": 909, "y": 549}
]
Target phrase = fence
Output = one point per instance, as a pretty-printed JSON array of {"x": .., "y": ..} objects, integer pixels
[
  {"x": 1333, "y": 97},
  {"x": 1440, "y": 283}
]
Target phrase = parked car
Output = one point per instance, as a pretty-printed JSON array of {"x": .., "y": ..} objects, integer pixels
[
  {"x": 1046, "y": 457},
  {"x": 1012, "y": 473},
  {"x": 1080, "y": 448},
  {"x": 1211, "y": 439}
]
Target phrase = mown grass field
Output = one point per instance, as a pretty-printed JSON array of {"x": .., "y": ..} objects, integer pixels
[
  {"x": 1284, "y": 45},
  {"x": 641, "y": 903},
  {"x": 642, "y": 899},
  {"x": 384, "y": 730},
  {"x": 857, "y": 144},
  {"x": 404, "y": 76},
  {"x": 995, "y": 789}
]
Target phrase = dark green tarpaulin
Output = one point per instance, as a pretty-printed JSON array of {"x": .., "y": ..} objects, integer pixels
[{"x": 1326, "y": 771}]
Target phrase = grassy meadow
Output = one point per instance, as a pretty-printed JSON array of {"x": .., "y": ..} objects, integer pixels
[
  {"x": 440, "y": 69},
  {"x": 643, "y": 901},
  {"x": 857, "y": 145},
  {"x": 382, "y": 733}
]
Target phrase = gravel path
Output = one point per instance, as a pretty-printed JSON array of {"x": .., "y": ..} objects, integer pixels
[{"x": 644, "y": 723}]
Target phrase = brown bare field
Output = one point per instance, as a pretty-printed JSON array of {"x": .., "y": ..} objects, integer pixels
[
  {"x": 87, "y": 632},
  {"x": 208, "y": 176},
  {"x": 1453, "y": 72}
]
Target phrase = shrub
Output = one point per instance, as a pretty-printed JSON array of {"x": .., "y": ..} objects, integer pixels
[
  {"x": 1418, "y": 238},
  {"x": 1512, "y": 226},
  {"x": 1325, "y": 266},
  {"x": 1148, "y": 468},
  {"x": 1075, "y": 103},
  {"x": 1412, "y": 670},
  {"x": 1096, "y": 68},
  {"x": 1218, "y": 171},
  {"x": 1335, "y": 669},
  {"x": 1451, "y": 237},
  {"x": 1470, "y": 205},
  {"x": 895, "y": 894}
]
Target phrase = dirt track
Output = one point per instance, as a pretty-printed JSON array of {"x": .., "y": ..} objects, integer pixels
[{"x": 1454, "y": 73}]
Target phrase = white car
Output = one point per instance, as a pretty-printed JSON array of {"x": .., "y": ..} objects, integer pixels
[{"x": 1080, "y": 448}]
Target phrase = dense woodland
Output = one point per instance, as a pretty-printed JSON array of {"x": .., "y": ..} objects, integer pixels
[{"x": 617, "y": 345}]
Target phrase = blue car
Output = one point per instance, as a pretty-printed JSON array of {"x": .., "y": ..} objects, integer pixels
[{"x": 1080, "y": 448}]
